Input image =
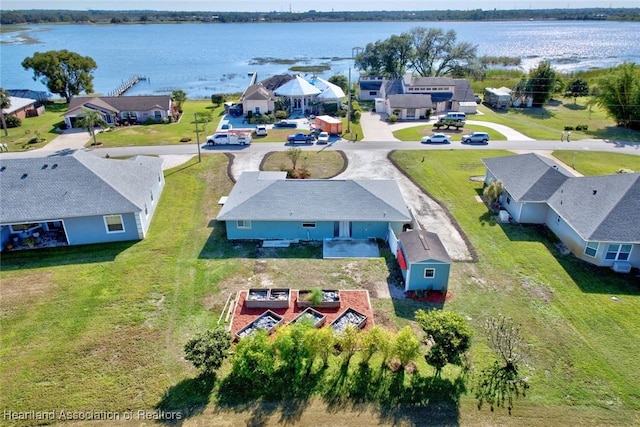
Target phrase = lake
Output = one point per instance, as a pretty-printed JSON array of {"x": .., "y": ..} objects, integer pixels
[{"x": 203, "y": 59}]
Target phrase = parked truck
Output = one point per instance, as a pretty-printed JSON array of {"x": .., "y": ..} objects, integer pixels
[{"x": 229, "y": 138}]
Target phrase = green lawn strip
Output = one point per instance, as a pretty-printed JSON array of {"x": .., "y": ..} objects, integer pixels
[
  {"x": 581, "y": 335},
  {"x": 36, "y": 132},
  {"x": 417, "y": 132},
  {"x": 598, "y": 163}
]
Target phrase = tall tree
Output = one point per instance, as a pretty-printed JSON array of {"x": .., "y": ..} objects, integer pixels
[
  {"x": 541, "y": 83},
  {"x": 90, "y": 119},
  {"x": 619, "y": 94},
  {"x": 63, "y": 72},
  {"x": 341, "y": 81},
  {"x": 179, "y": 97},
  {"x": 576, "y": 88},
  {"x": 449, "y": 334},
  {"x": 5, "y": 102}
]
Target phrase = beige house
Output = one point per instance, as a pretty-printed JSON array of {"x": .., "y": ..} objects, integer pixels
[{"x": 258, "y": 99}]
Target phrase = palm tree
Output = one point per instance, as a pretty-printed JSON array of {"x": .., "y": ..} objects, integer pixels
[
  {"x": 90, "y": 119},
  {"x": 5, "y": 102}
]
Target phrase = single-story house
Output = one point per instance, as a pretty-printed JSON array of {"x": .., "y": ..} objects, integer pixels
[
  {"x": 77, "y": 199},
  {"x": 258, "y": 99},
  {"x": 300, "y": 95},
  {"x": 423, "y": 260},
  {"x": 595, "y": 217},
  {"x": 117, "y": 110},
  {"x": 267, "y": 206},
  {"x": 22, "y": 108},
  {"x": 413, "y": 98}
]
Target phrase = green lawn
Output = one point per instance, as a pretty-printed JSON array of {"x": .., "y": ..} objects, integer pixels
[{"x": 102, "y": 327}]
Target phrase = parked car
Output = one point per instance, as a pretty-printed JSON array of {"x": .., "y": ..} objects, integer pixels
[
  {"x": 286, "y": 124},
  {"x": 436, "y": 138},
  {"x": 323, "y": 138},
  {"x": 261, "y": 130},
  {"x": 476, "y": 138},
  {"x": 301, "y": 138}
]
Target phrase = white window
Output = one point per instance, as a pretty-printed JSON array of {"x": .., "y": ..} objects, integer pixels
[
  {"x": 591, "y": 249},
  {"x": 429, "y": 273},
  {"x": 618, "y": 252},
  {"x": 308, "y": 225},
  {"x": 243, "y": 223},
  {"x": 157, "y": 114},
  {"x": 114, "y": 223}
]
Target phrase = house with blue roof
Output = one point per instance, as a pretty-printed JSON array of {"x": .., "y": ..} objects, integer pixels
[
  {"x": 77, "y": 199},
  {"x": 595, "y": 217}
]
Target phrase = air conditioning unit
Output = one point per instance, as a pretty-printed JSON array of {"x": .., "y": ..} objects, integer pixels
[{"x": 621, "y": 267}]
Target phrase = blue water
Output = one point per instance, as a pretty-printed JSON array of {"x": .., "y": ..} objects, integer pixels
[{"x": 203, "y": 59}]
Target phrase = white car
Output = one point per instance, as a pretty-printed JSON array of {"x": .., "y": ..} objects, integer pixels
[
  {"x": 261, "y": 130},
  {"x": 436, "y": 138},
  {"x": 323, "y": 138}
]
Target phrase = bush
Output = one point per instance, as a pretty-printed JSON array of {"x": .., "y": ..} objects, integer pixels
[
  {"x": 185, "y": 139},
  {"x": 393, "y": 118},
  {"x": 568, "y": 128},
  {"x": 582, "y": 127},
  {"x": 13, "y": 122},
  {"x": 281, "y": 115}
]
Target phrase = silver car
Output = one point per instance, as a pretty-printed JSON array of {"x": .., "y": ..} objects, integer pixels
[{"x": 476, "y": 138}]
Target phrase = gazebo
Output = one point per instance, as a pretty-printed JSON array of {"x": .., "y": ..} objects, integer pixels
[{"x": 299, "y": 93}]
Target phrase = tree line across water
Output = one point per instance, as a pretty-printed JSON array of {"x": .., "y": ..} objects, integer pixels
[{"x": 12, "y": 17}]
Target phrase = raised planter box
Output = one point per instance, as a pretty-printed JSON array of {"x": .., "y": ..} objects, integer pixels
[
  {"x": 349, "y": 317},
  {"x": 330, "y": 299},
  {"x": 268, "y": 298},
  {"x": 267, "y": 321},
  {"x": 310, "y": 315}
]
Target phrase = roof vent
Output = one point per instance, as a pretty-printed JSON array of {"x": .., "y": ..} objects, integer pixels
[
  {"x": 594, "y": 192},
  {"x": 55, "y": 165},
  {"x": 24, "y": 175},
  {"x": 2, "y": 168},
  {"x": 45, "y": 166}
]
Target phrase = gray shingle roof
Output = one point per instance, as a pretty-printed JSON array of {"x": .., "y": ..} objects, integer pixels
[
  {"x": 423, "y": 245},
  {"x": 270, "y": 197},
  {"x": 33, "y": 189},
  {"x": 528, "y": 177},
  {"x": 124, "y": 103},
  {"x": 410, "y": 101},
  {"x": 601, "y": 208}
]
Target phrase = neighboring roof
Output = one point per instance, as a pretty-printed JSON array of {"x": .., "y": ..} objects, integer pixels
[
  {"x": 271, "y": 197},
  {"x": 429, "y": 81},
  {"x": 329, "y": 90},
  {"x": 601, "y": 208},
  {"x": 410, "y": 101},
  {"x": 123, "y": 103},
  {"x": 393, "y": 87},
  {"x": 18, "y": 104},
  {"x": 370, "y": 85},
  {"x": 528, "y": 177},
  {"x": 257, "y": 92},
  {"x": 45, "y": 188},
  {"x": 40, "y": 96},
  {"x": 420, "y": 245},
  {"x": 463, "y": 91},
  {"x": 297, "y": 87},
  {"x": 501, "y": 91},
  {"x": 276, "y": 81}
]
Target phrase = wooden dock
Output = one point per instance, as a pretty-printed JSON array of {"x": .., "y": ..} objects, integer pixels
[{"x": 127, "y": 85}]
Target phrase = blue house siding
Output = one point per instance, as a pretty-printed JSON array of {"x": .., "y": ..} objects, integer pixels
[
  {"x": 415, "y": 280},
  {"x": 264, "y": 230},
  {"x": 88, "y": 230}
]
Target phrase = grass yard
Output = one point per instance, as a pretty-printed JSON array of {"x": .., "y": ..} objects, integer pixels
[
  {"x": 322, "y": 164},
  {"x": 35, "y": 132},
  {"x": 101, "y": 328}
]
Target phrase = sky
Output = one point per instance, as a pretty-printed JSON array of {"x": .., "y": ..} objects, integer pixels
[{"x": 303, "y": 5}]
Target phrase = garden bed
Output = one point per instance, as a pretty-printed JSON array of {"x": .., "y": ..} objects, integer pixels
[
  {"x": 268, "y": 321},
  {"x": 312, "y": 316},
  {"x": 349, "y": 317},
  {"x": 268, "y": 298},
  {"x": 330, "y": 299}
]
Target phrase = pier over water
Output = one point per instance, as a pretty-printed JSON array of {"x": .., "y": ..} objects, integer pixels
[{"x": 127, "y": 85}]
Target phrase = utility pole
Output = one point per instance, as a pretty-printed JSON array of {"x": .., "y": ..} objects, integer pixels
[{"x": 195, "y": 118}]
